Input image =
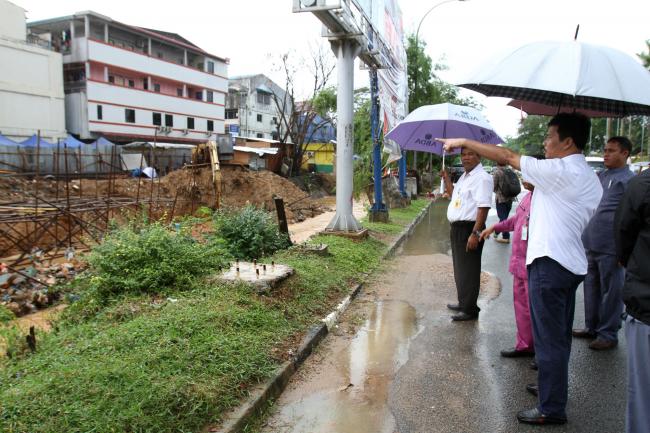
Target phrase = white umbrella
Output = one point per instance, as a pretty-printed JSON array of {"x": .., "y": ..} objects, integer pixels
[{"x": 574, "y": 74}]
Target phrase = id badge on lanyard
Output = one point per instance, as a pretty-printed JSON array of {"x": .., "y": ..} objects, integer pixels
[{"x": 524, "y": 232}]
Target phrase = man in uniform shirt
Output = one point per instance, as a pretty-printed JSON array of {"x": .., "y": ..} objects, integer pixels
[
  {"x": 471, "y": 199},
  {"x": 567, "y": 192},
  {"x": 632, "y": 230},
  {"x": 605, "y": 276}
]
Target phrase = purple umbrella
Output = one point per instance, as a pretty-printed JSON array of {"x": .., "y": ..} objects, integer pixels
[{"x": 419, "y": 129}]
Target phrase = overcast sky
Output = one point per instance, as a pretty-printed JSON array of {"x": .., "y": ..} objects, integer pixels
[{"x": 254, "y": 33}]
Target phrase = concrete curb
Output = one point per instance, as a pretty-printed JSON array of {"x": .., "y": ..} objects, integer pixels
[{"x": 236, "y": 421}]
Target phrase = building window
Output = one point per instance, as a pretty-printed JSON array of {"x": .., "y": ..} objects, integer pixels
[
  {"x": 259, "y": 117},
  {"x": 159, "y": 54},
  {"x": 131, "y": 83},
  {"x": 157, "y": 119},
  {"x": 260, "y": 135},
  {"x": 145, "y": 83},
  {"x": 156, "y": 87},
  {"x": 211, "y": 67},
  {"x": 198, "y": 95},
  {"x": 100, "y": 112},
  {"x": 190, "y": 123},
  {"x": 275, "y": 135},
  {"x": 129, "y": 115},
  {"x": 111, "y": 79},
  {"x": 169, "y": 120},
  {"x": 179, "y": 92},
  {"x": 263, "y": 98},
  {"x": 275, "y": 120},
  {"x": 209, "y": 96},
  {"x": 210, "y": 125}
]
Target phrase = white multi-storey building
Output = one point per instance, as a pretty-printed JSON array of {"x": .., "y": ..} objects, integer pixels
[
  {"x": 31, "y": 81},
  {"x": 252, "y": 109},
  {"x": 126, "y": 82}
]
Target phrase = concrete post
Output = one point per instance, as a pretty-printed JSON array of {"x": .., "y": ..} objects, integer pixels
[
  {"x": 106, "y": 33},
  {"x": 346, "y": 51}
]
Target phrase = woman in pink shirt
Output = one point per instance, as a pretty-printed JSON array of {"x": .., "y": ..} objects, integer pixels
[{"x": 518, "y": 223}]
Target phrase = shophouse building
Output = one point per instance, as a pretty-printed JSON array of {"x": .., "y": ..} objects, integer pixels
[
  {"x": 254, "y": 107},
  {"x": 31, "y": 81},
  {"x": 131, "y": 83}
]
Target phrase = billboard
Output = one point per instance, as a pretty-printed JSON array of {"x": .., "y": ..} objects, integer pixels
[{"x": 386, "y": 19}]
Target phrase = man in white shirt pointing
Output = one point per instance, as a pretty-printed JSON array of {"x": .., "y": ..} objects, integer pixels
[
  {"x": 471, "y": 199},
  {"x": 566, "y": 195}
]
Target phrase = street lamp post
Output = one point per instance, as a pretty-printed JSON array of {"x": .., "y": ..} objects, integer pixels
[{"x": 415, "y": 77}]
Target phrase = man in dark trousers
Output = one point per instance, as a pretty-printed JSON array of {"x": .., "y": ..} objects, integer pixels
[
  {"x": 503, "y": 200},
  {"x": 605, "y": 276},
  {"x": 471, "y": 199},
  {"x": 632, "y": 230},
  {"x": 567, "y": 192}
]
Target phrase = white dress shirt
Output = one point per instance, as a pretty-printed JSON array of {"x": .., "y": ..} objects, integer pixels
[
  {"x": 567, "y": 192},
  {"x": 472, "y": 191}
]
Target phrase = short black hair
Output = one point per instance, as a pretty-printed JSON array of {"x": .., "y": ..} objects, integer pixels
[
  {"x": 574, "y": 125},
  {"x": 623, "y": 142}
]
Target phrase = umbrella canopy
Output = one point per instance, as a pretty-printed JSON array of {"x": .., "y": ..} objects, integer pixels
[
  {"x": 549, "y": 110},
  {"x": 418, "y": 130},
  {"x": 572, "y": 73}
]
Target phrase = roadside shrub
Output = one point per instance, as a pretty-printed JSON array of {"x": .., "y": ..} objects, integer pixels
[
  {"x": 250, "y": 233},
  {"x": 150, "y": 259},
  {"x": 6, "y": 314}
]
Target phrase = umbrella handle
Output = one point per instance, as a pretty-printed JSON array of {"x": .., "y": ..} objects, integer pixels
[{"x": 442, "y": 181}]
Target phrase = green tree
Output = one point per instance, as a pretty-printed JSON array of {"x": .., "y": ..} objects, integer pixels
[
  {"x": 645, "y": 57},
  {"x": 431, "y": 89},
  {"x": 530, "y": 136}
]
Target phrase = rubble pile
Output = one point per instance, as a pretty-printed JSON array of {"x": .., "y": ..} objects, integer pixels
[{"x": 24, "y": 291}]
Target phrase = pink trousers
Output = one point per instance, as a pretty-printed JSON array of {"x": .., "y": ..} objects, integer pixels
[{"x": 522, "y": 315}]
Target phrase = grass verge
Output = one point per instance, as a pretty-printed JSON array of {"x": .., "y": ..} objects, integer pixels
[{"x": 173, "y": 363}]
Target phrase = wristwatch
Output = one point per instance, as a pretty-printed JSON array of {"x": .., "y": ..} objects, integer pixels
[{"x": 477, "y": 233}]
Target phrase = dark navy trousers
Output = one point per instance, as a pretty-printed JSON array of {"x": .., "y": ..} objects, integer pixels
[
  {"x": 603, "y": 295},
  {"x": 503, "y": 211},
  {"x": 552, "y": 291}
]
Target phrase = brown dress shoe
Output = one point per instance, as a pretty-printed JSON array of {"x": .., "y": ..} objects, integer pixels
[
  {"x": 583, "y": 333},
  {"x": 599, "y": 344}
]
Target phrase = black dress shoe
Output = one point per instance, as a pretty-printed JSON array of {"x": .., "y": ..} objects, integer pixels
[
  {"x": 453, "y": 307},
  {"x": 583, "y": 333},
  {"x": 534, "y": 416},
  {"x": 462, "y": 317},
  {"x": 514, "y": 353},
  {"x": 533, "y": 389},
  {"x": 533, "y": 365}
]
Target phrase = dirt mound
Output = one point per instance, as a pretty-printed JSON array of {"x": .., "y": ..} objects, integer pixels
[{"x": 239, "y": 186}]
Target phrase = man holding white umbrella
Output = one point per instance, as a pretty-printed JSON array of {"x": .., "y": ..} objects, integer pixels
[{"x": 556, "y": 261}]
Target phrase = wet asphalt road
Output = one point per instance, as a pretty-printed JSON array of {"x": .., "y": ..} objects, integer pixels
[
  {"x": 397, "y": 363},
  {"x": 456, "y": 381}
]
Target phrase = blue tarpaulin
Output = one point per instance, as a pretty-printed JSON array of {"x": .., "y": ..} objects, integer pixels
[
  {"x": 33, "y": 140},
  {"x": 7, "y": 142}
]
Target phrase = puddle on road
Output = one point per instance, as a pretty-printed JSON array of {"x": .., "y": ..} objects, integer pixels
[
  {"x": 357, "y": 399},
  {"x": 431, "y": 235}
]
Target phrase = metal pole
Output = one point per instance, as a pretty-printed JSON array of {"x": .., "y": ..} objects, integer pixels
[
  {"x": 379, "y": 205},
  {"x": 402, "y": 174},
  {"x": 346, "y": 51}
]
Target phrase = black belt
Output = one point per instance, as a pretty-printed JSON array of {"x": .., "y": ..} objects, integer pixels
[{"x": 463, "y": 223}]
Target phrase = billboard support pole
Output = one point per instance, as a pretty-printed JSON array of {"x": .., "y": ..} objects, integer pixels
[{"x": 346, "y": 51}]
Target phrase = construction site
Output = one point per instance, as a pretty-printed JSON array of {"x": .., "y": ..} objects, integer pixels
[{"x": 56, "y": 203}]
